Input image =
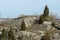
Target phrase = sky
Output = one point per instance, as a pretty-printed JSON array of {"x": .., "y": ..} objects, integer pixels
[{"x": 15, "y": 8}]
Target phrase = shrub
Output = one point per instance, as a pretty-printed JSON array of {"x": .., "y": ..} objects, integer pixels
[
  {"x": 41, "y": 19},
  {"x": 45, "y": 16},
  {"x": 46, "y": 11},
  {"x": 52, "y": 18},
  {"x": 53, "y": 24},
  {"x": 23, "y": 27},
  {"x": 4, "y": 34},
  {"x": 11, "y": 35},
  {"x": 47, "y": 36}
]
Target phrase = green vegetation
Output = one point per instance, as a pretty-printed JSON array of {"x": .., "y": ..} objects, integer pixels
[
  {"x": 4, "y": 34},
  {"x": 52, "y": 18},
  {"x": 53, "y": 24},
  {"x": 46, "y": 11},
  {"x": 47, "y": 36},
  {"x": 23, "y": 28},
  {"x": 45, "y": 16},
  {"x": 11, "y": 35}
]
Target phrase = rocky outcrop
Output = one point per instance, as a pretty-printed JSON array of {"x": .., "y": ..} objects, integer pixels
[
  {"x": 33, "y": 31},
  {"x": 24, "y": 35}
]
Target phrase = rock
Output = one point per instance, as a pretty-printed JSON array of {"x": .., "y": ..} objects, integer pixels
[
  {"x": 28, "y": 35},
  {"x": 56, "y": 36},
  {"x": 47, "y": 22},
  {"x": 41, "y": 33},
  {"x": 29, "y": 21}
]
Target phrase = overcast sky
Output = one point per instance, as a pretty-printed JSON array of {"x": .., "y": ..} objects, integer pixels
[{"x": 14, "y": 8}]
